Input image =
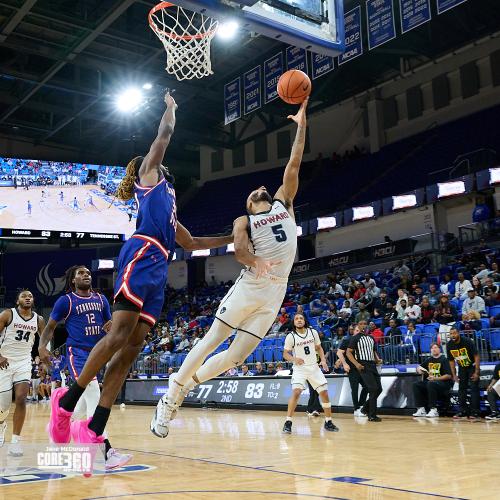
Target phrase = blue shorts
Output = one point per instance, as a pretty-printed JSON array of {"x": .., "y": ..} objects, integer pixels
[
  {"x": 142, "y": 275},
  {"x": 77, "y": 359},
  {"x": 55, "y": 376}
]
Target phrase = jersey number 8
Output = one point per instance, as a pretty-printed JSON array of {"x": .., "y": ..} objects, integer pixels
[
  {"x": 20, "y": 337},
  {"x": 307, "y": 350}
]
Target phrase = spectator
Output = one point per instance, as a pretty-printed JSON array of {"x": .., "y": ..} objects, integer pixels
[
  {"x": 435, "y": 385},
  {"x": 270, "y": 369},
  {"x": 445, "y": 285},
  {"x": 279, "y": 368},
  {"x": 402, "y": 271},
  {"x": 363, "y": 314},
  {"x": 259, "y": 369},
  {"x": 133, "y": 375},
  {"x": 493, "y": 393},
  {"x": 481, "y": 212},
  {"x": 433, "y": 295},
  {"x": 390, "y": 314},
  {"x": 368, "y": 281},
  {"x": 169, "y": 372},
  {"x": 232, "y": 372},
  {"x": 393, "y": 333},
  {"x": 372, "y": 292},
  {"x": 471, "y": 321},
  {"x": 380, "y": 304},
  {"x": 426, "y": 311},
  {"x": 401, "y": 308},
  {"x": 418, "y": 295},
  {"x": 482, "y": 272},
  {"x": 412, "y": 312},
  {"x": 476, "y": 285},
  {"x": 359, "y": 292},
  {"x": 245, "y": 372},
  {"x": 402, "y": 295},
  {"x": 473, "y": 303},
  {"x": 489, "y": 287},
  {"x": 346, "y": 311},
  {"x": 408, "y": 341},
  {"x": 463, "y": 351},
  {"x": 319, "y": 305},
  {"x": 183, "y": 344},
  {"x": 445, "y": 312},
  {"x": 335, "y": 290},
  {"x": 376, "y": 333},
  {"x": 462, "y": 286}
]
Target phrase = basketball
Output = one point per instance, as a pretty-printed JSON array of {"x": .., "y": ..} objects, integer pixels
[{"x": 294, "y": 86}]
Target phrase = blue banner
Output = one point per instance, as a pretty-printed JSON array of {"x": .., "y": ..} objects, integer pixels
[
  {"x": 380, "y": 16},
  {"x": 296, "y": 58},
  {"x": 251, "y": 88},
  {"x": 353, "y": 35},
  {"x": 414, "y": 13},
  {"x": 321, "y": 65},
  {"x": 273, "y": 69},
  {"x": 232, "y": 101},
  {"x": 444, "y": 5}
]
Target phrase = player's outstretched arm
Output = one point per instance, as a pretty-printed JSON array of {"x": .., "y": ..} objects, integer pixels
[
  {"x": 148, "y": 173},
  {"x": 286, "y": 193},
  {"x": 46, "y": 337},
  {"x": 184, "y": 238}
]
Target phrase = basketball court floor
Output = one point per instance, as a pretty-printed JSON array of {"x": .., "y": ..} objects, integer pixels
[{"x": 227, "y": 454}]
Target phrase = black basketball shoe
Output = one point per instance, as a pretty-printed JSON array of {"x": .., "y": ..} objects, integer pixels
[
  {"x": 287, "y": 428},
  {"x": 330, "y": 426}
]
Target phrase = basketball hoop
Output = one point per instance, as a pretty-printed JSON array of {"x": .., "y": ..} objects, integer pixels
[{"x": 186, "y": 37}]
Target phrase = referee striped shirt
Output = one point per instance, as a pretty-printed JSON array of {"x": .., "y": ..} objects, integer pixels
[{"x": 363, "y": 347}]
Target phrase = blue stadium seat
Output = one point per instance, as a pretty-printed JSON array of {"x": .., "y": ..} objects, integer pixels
[
  {"x": 259, "y": 354},
  {"x": 278, "y": 354},
  {"x": 431, "y": 328},
  {"x": 494, "y": 310},
  {"x": 250, "y": 359},
  {"x": 425, "y": 343},
  {"x": 268, "y": 354}
]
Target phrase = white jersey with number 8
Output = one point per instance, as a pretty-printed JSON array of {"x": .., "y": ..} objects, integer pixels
[{"x": 303, "y": 346}]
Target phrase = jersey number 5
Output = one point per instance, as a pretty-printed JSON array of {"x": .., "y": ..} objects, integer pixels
[
  {"x": 279, "y": 233},
  {"x": 20, "y": 334}
]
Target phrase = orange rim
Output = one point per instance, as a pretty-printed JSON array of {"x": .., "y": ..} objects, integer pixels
[{"x": 172, "y": 35}]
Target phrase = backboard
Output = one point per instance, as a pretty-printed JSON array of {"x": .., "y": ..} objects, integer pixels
[{"x": 315, "y": 25}]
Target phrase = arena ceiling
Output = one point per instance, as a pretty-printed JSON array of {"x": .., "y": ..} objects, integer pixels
[{"x": 62, "y": 62}]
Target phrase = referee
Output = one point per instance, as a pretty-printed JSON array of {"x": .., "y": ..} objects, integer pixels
[{"x": 362, "y": 354}]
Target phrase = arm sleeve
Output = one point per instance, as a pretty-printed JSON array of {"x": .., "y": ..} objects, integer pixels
[
  {"x": 106, "y": 311},
  {"x": 289, "y": 342},
  {"x": 61, "y": 308}
]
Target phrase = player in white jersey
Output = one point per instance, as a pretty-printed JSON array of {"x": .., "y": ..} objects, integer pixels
[
  {"x": 302, "y": 346},
  {"x": 18, "y": 327},
  {"x": 265, "y": 241}
]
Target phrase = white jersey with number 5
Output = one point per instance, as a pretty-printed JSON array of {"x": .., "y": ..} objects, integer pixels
[
  {"x": 273, "y": 236},
  {"x": 304, "y": 346},
  {"x": 18, "y": 337}
]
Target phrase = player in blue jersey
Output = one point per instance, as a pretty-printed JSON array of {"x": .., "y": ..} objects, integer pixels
[
  {"x": 139, "y": 288},
  {"x": 58, "y": 363},
  {"x": 87, "y": 317}
]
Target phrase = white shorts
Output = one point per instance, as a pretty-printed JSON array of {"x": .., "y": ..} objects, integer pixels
[
  {"x": 308, "y": 373},
  {"x": 252, "y": 305},
  {"x": 17, "y": 372}
]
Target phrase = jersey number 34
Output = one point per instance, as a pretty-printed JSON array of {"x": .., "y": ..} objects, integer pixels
[{"x": 20, "y": 334}]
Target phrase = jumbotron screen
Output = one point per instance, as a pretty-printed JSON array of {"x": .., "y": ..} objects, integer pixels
[{"x": 62, "y": 199}]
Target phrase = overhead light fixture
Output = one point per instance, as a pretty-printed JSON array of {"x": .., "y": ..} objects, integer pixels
[
  {"x": 227, "y": 30},
  {"x": 129, "y": 100},
  {"x": 147, "y": 86}
]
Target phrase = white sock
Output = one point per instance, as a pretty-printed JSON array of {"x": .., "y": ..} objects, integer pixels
[
  {"x": 288, "y": 419},
  {"x": 328, "y": 419},
  {"x": 15, "y": 438}
]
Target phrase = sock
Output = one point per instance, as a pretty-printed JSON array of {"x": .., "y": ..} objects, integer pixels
[
  {"x": 289, "y": 419},
  {"x": 69, "y": 400},
  {"x": 99, "y": 420},
  {"x": 328, "y": 419},
  {"x": 15, "y": 438},
  {"x": 174, "y": 390},
  {"x": 108, "y": 447}
]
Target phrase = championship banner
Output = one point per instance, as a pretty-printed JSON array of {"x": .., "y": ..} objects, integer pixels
[
  {"x": 321, "y": 65},
  {"x": 232, "y": 101},
  {"x": 296, "y": 58},
  {"x": 381, "y": 27},
  {"x": 273, "y": 69},
  {"x": 414, "y": 13},
  {"x": 251, "y": 88},
  {"x": 445, "y": 5},
  {"x": 353, "y": 36}
]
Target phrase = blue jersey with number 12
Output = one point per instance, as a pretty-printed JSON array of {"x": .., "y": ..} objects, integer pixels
[{"x": 84, "y": 318}]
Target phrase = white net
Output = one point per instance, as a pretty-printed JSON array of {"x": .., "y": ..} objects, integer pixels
[{"x": 186, "y": 36}]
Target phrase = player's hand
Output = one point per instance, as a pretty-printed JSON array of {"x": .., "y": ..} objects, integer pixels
[
  {"x": 170, "y": 101},
  {"x": 107, "y": 326},
  {"x": 263, "y": 267},
  {"x": 4, "y": 363},
  {"x": 474, "y": 377},
  {"x": 298, "y": 361},
  {"x": 325, "y": 367},
  {"x": 300, "y": 117},
  {"x": 430, "y": 378},
  {"x": 44, "y": 355}
]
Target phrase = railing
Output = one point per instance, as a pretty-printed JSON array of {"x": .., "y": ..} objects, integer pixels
[{"x": 470, "y": 233}]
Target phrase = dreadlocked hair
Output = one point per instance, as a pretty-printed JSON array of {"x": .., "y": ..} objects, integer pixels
[
  {"x": 69, "y": 276},
  {"x": 125, "y": 190}
]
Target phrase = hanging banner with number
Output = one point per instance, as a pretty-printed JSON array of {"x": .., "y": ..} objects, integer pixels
[
  {"x": 353, "y": 36},
  {"x": 296, "y": 58},
  {"x": 321, "y": 65},
  {"x": 232, "y": 101},
  {"x": 251, "y": 88},
  {"x": 444, "y": 5},
  {"x": 414, "y": 13},
  {"x": 273, "y": 69},
  {"x": 381, "y": 27}
]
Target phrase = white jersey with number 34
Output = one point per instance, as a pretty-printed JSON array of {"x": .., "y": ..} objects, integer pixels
[
  {"x": 303, "y": 346},
  {"x": 18, "y": 337}
]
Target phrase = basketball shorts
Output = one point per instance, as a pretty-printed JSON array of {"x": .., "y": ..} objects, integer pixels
[
  {"x": 308, "y": 373},
  {"x": 142, "y": 275},
  {"x": 252, "y": 305},
  {"x": 55, "y": 376},
  {"x": 77, "y": 359},
  {"x": 17, "y": 372},
  {"x": 496, "y": 387}
]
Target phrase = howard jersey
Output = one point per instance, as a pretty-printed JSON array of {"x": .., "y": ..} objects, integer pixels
[
  {"x": 157, "y": 213},
  {"x": 18, "y": 337},
  {"x": 303, "y": 346},
  {"x": 273, "y": 236},
  {"x": 84, "y": 318}
]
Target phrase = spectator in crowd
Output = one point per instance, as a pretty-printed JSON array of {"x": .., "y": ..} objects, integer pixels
[
  {"x": 402, "y": 271},
  {"x": 489, "y": 287},
  {"x": 170, "y": 371},
  {"x": 463, "y": 351},
  {"x": 372, "y": 292},
  {"x": 471, "y": 321},
  {"x": 279, "y": 367},
  {"x": 408, "y": 343},
  {"x": 418, "y": 295},
  {"x": 380, "y": 304},
  {"x": 476, "y": 285},
  {"x": 493, "y": 393},
  {"x": 401, "y": 310},
  {"x": 346, "y": 311},
  {"x": 435, "y": 385},
  {"x": 402, "y": 295},
  {"x": 481, "y": 212},
  {"x": 318, "y": 306},
  {"x": 412, "y": 312},
  {"x": 232, "y": 372},
  {"x": 445, "y": 285},
  {"x": 359, "y": 292},
  {"x": 183, "y": 344},
  {"x": 368, "y": 281},
  {"x": 462, "y": 286},
  {"x": 482, "y": 272},
  {"x": 495, "y": 271},
  {"x": 346, "y": 282},
  {"x": 390, "y": 314},
  {"x": 270, "y": 369},
  {"x": 335, "y": 290},
  {"x": 393, "y": 333},
  {"x": 245, "y": 372},
  {"x": 259, "y": 369},
  {"x": 433, "y": 295},
  {"x": 426, "y": 311},
  {"x": 363, "y": 314},
  {"x": 473, "y": 303},
  {"x": 445, "y": 313},
  {"x": 376, "y": 333},
  {"x": 133, "y": 375}
]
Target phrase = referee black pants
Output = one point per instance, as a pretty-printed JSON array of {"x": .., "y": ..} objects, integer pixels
[
  {"x": 355, "y": 380},
  {"x": 371, "y": 378}
]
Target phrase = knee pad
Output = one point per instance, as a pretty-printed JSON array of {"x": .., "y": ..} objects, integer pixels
[{"x": 326, "y": 405}]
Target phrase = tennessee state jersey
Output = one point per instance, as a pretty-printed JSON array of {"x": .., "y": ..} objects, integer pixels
[
  {"x": 58, "y": 364},
  {"x": 18, "y": 337},
  {"x": 157, "y": 213},
  {"x": 84, "y": 318},
  {"x": 273, "y": 236},
  {"x": 303, "y": 346}
]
